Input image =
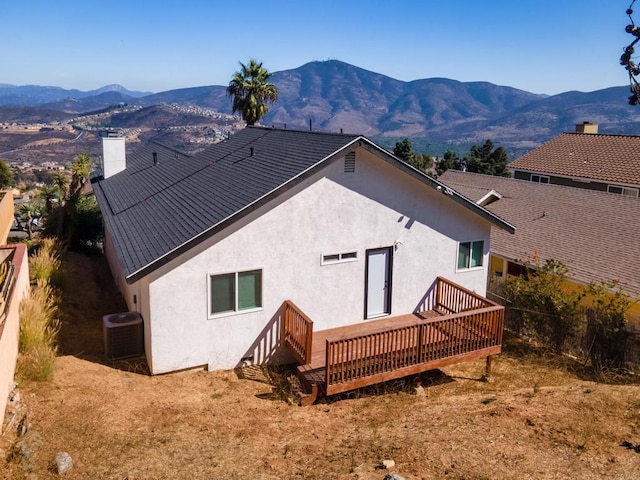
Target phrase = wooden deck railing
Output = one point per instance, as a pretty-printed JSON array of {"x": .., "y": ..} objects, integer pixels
[
  {"x": 452, "y": 298},
  {"x": 433, "y": 343},
  {"x": 298, "y": 332}
]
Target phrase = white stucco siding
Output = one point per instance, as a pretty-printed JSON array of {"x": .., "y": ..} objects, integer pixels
[
  {"x": 136, "y": 295},
  {"x": 332, "y": 213}
]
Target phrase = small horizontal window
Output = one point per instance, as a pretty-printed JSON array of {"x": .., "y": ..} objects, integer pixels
[
  {"x": 539, "y": 179},
  {"x": 626, "y": 191},
  {"x": 339, "y": 258}
]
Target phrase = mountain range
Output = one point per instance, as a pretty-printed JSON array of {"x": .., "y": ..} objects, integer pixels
[{"x": 333, "y": 96}]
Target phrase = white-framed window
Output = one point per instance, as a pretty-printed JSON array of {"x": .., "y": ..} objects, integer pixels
[
  {"x": 235, "y": 292},
  {"x": 626, "y": 191},
  {"x": 338, "y": 258},
  {"x": 539, "y": 178},
  {"x": 470, "y": 254}
]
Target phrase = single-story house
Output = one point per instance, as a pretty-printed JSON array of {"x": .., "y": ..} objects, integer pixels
[
  {"x": 208, "y": 248},
  {"x": 584, "y": 159},
  {"x": 595, "y": 234}
]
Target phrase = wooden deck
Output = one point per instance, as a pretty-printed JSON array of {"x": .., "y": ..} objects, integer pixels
[{"x": 463, "y": 326}]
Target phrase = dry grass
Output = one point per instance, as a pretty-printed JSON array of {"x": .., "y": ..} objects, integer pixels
[
  {"x": 543, "y": 417},
  {"x": 39, "y": 327},
  {"x": 45, "y": 263}
]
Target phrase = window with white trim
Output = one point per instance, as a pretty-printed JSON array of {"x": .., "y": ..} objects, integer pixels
[
  {"x": 339, "y": 258},
  {"x": 235, "y": 292},
  {"x": 539, "y": 178},
  {"x": 470, "y": 254},
  {"x": 626, "y": 191}
]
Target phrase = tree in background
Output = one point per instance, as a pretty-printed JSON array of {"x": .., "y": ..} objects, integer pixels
[
  {"x": 62, "y": 199},
  {"x": 6, "y": 175},
  {"x": 251, "y": 91},
  {"x": 26, "y": 214},
  {"x": 404, "y": 150},
  {"x": 450, "y": 160},
  {"x": 627, "y": 62},
  {"x": 488, "y": 160}
]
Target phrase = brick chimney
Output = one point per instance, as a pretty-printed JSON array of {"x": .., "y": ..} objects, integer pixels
[
  {"x": 114, "y": 158},
  {"x": 586, "y": 127}
]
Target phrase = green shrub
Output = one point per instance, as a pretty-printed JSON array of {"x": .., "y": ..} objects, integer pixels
[
  {"x": 607, "y": 314},
  {"x": 542, "y": 302}
]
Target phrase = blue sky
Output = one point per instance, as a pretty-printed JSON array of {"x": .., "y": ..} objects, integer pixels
[{"x": 541, "y": 46}]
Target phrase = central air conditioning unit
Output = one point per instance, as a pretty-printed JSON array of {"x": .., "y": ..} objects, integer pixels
[{"x": 123, "y": 335}]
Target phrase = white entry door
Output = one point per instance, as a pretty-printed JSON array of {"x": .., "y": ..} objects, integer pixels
[{"x": 378, "y": 282}]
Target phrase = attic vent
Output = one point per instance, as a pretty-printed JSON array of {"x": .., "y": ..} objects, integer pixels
[{"x": 350, "y": 162}]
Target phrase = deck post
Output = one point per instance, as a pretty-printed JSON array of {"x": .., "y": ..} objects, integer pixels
[{"x": 487, "y": 369}]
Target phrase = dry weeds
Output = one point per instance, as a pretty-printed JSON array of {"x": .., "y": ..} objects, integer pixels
[{"x": 543, "y": 417}]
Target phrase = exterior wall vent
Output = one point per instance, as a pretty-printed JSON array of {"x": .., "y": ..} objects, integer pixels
[
  {"x": 123, "y": 335},
  {"x": 350, "y": 162}
]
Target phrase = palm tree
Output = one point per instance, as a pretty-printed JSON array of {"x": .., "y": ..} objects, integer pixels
[{"x": 251, "y": 91}]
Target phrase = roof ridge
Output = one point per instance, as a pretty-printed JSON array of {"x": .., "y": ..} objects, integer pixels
[
  {"x": 297, "y": 130},
  {"x": 600, "y": 134},
  {"x": 173, "y": 149}
]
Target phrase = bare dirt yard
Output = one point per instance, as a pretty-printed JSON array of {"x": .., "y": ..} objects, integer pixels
[{"x": 543, "y": 417}]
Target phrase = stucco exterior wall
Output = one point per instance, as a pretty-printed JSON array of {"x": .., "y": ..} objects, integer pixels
[
  {"x": 333, "y": 212},
  {"x": 135, "y": 295},
  {"x": 6, "y": 215},
  {"x": 9, "y": 331}
]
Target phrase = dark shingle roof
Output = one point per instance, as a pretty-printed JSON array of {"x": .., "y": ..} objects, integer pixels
[
  {"x": 152, "y": 210},
  {"x": 594, "y": 233},
  {"x": 608, "y": 158},
  {"x": 154, "y": 213}
]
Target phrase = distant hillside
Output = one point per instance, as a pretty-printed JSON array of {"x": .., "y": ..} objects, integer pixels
[
  {"x": 31, "y": 115},
  {"x": 214, "y": 97},
  {"x": 157, "y": 117},
  {"x": 37, "y": 95},
  {"x": 335, "y": 96},
  {"x": 88, "y": 104}
]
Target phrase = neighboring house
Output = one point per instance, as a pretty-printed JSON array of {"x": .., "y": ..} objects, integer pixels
[
  {"x": 585, "y": 159},
  {"x": 594, "y": 234},
  {"x": 6, "y": 215},
  {"x": 208, "y": 248},
  {"x": 14, "y": 285}
]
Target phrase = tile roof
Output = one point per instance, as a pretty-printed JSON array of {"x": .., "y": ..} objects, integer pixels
[
  {"x": 609, "y": 158},
  {"x": 155, "y": 212},
  {"x": 594, "y": 233}
]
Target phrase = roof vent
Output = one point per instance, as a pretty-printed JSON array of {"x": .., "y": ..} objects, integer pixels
[
  {"x": 252, "y": 150},
  {"x": 155, "y": 158}
]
